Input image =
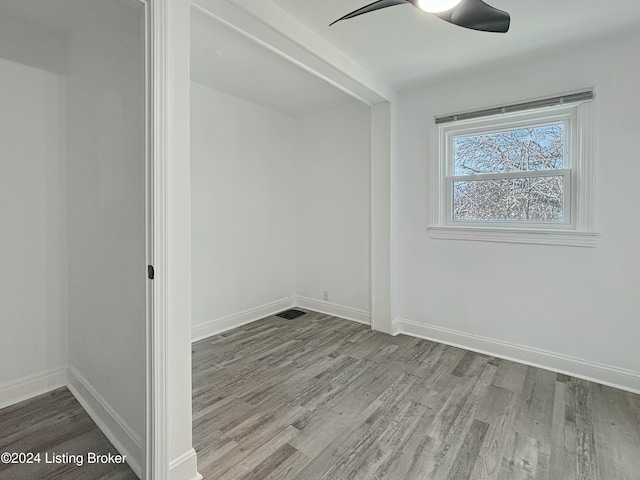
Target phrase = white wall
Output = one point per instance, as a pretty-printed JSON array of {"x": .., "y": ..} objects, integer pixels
[
  {"x": 332, "y": 205},
  {"x": 106, "y": 216},
  {"x": 578, "y": 302},
  {"x": 280, "y": 207},
  {"x": 243, "y": 191},
  {"x": 33, "y": 280},
  {"x": 32, "y": 44}
]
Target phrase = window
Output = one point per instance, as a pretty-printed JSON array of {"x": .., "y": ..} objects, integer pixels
[{"x": 522, "y": 176}]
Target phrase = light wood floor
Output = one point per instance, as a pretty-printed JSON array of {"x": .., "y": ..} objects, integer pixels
[
  {"x": 323, "y": 398},
  {"x": 55, "y": 423}
]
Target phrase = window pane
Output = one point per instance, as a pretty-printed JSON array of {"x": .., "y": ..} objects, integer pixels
[
  {"x": 532, "y": 199},
  {"x": 523, "y": 150}
]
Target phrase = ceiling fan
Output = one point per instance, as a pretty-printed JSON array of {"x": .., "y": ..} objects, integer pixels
[{"x": 473, "y": 14}]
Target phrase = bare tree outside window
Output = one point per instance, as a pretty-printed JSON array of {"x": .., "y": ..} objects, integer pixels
[{"x": 525, "y": 198}]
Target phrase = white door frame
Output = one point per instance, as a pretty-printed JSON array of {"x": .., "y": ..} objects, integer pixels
[
  {"x": 156, "y": 111},
  {"x": 165, "y": 44},
  {"x": 169, "y": 451}
]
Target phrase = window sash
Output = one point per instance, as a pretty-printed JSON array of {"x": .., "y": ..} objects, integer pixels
[
  {"x": 565, "y": 173},
  {"x": 565, "y": 118}
]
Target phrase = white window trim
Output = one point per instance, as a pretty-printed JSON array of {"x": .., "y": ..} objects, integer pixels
[{"x": 577, "y": 231}]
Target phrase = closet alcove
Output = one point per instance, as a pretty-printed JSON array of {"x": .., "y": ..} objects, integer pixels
[{"x": 72, "y": 212}]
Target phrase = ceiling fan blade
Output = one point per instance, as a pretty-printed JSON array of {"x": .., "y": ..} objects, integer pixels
[
  {"x": 477, "y": 15},
  {"x": 372, "y": 8}
]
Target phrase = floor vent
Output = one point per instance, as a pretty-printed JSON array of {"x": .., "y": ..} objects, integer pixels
[{"x": 291, "y": 314}]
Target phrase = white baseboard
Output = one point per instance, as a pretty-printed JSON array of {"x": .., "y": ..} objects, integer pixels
[
  {"x": 185, "y": 467},
  {"x": 32, "y": 385},
  {"x": 219, "y": 325},
  {"x": 575, "y": 367},
  {"x": 214, "y": 327},
  {"x": 348, "y": 313},
  {"x": 119, "y": 433}
]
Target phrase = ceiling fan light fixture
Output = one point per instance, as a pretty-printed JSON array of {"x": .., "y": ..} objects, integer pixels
[
  {"x": 471, "y": 14},
  {"x": 437, "y": 6}
]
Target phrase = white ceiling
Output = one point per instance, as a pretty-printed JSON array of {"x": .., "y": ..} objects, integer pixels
[
  {"x": 403, "y": 45},
  {"x": 229, "y": 62}
]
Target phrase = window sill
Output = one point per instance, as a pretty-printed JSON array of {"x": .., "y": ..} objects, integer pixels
[{"x": 570, "y": 238}]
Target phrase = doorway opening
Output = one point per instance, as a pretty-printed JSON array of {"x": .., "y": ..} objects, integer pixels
[{"x": 73, "y": 155}]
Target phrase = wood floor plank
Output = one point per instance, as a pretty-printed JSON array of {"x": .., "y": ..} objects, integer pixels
[
  {"x": 464, "y": 364},
  {"x": 385, "y": 415},
  {"x": 498, "y": 411},
  {"x": 392, "y": 439},
  {"x": 250, "y": 452},
  {"x": 271, "y": 463},
  {"x": 259, "y": 458},
  {"x": 569, "y": 469},
  {"x": 557, "y": 453},
  {"x": 586, "y": 446},
  {"x": 320, "y": 398},
  {"x": 461, "y": 426},
  {"x": 213, "y": 447},
  {"x": 290, "y": 467},
  {"x": 536, "y": 398},
  {"x": 443, "y": 367},
  {"x": 523, "y": 462},
  {"x": 411, "y": 462},
  {"x": 466, "y": 457},
  {"x": 223, "y": 419},
  {"x": 616, "y": 435},
  {"x": 55, "y": 423},
  {"x": 336, "y": 453},
  {"x": 444, "y": 419},
  {"x": 544, "y": 460},
  {"x": 511, "y": 375},
  {"x": 423, "y": 355},
  {"x": 325, "y": 424}
]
